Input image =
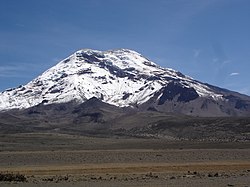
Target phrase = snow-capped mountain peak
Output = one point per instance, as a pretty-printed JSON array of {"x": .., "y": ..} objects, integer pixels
[{"x": 120, "y": 77}]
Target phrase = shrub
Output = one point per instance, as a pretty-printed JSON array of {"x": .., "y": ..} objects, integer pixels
[{"x": 10, "y": 177}]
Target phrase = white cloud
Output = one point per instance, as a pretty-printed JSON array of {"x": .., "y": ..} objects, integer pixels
[
  {"x": 9, "y": 71},
  {"x": 19, "y": 70},
  {"x": 215, "y": 60},
  {"x": 244, "y": 90},
  {"x": 196, "y": 53},
  {"x": 234, "y": 74},
  {"x": 226, "y": 61},
  {"x": 20, "y": 25},
  {"x": 56, "y": 59}
]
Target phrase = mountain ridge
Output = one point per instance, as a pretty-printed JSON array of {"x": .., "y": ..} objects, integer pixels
[
  {"x": 124, "y": 78},
  {"x": 95, "y": 118}
]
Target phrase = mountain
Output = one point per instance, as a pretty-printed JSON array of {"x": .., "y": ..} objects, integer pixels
[{"x": 124, "y": 79}]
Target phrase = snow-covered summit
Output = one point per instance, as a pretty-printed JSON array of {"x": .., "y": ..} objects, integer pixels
[{"x": 120, "y": 77}]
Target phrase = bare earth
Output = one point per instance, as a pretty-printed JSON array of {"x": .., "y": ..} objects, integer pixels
[{"x": 67, "y": 160}]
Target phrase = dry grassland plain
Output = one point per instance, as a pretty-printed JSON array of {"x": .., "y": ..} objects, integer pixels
[{"x": 70, "y": 160}]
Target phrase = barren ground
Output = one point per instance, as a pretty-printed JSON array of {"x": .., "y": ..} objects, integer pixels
[{"x": 69, "y": 160}]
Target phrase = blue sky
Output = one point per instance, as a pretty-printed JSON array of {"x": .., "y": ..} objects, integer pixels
[{"x": 208, "y": 40}]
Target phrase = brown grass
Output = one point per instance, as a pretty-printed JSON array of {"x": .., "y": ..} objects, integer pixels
[{"x": 124, "y": 168}]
